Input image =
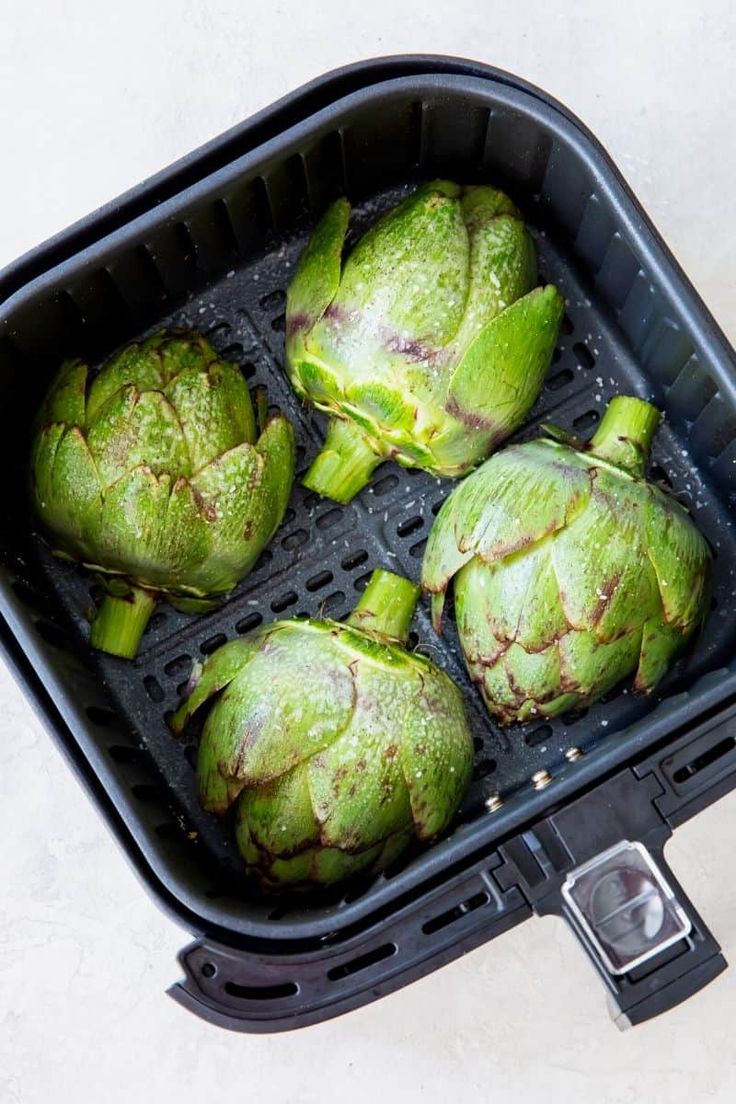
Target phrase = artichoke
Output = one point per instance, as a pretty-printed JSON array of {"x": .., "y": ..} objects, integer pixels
[
  {"x": 335, "y": 745},
  {"x": 152, "y": 473},
  {"x": 570, "y": 570},
  {"x": 428, "y": 346}
]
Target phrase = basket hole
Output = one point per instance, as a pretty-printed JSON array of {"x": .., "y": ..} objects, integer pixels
[
  {"x": 279, "y": 912},
  {"x": 332, "y": 602},
  {"x": 362, "y": 581},
  {"x": 158, "y": 619},
  {"x": 275, "y": 300},
  {"x": 417, "y": 550},
  {"x": 53, "y": 634},
  {"x": 327, "y": 520},
  {"x": 711, "y": 546},
  {"x": 583, "y": 355},
  {"x": 190, "y": 754},
  {"x": 284, "y": 601},
  {"x": 262, "y": 992},
  {"x": 573, "y": 716},
  {"x": 248, "y": 369},
  {"x": 265, "y": 558},
  {"x": 321, "y": 579},
  {"x": 279, "y": 323},
  {"x": 483, "y": 768},
  {"x": 105, "y": 718},
  {"x": 587, "y": 420},
  {"x": 208, "y": 969},
  {"x": 478, "y": 744},
  {"x": 657, "y": 474},
  {"x": 232, "y": 352},
  {"x": 147, "y": 793},
  {"x": 538, "y": 736},
  {"x": 437, "y": 506},
  {"x": 383, "y": 486},
  {"x": 410, "y": 525},
  {"x": 249, "y": 622},
  {"x": 446, "y": 918},
  {"x": 121, "y": 753},
  {"x": 182, "y": 665},
  {"x": 218, "y": 330},
  {"x": 212, "y": 643},
  {"x": 362, "y": 962},
  {"x": 567, "y": 325},
  {"x": 295, "y": 540},
  {"x": 26, "y": 593},
  {"x": 354, "y": 559},
  {"x": 153, "y": 689},
  {"x": 359, "y": 886},
  {"x": 559, "y": 380},
  {"x": 556, "y": 355},
  {"x": 711, "y": 755}
]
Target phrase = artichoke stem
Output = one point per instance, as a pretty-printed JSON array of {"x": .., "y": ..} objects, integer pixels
[
  {"x": 386, "y": 605},
  {"x": 344, "y": 465},
  {"x": 625, "y": 434},
  {"x": 121, "y": 622}
]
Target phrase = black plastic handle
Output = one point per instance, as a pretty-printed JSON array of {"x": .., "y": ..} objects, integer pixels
[
  {"x": 668, "y": 978},
  {"x": 542, "y": 861}
]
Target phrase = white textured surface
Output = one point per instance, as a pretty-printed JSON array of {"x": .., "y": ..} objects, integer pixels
[{"x": 97, "y": 96}]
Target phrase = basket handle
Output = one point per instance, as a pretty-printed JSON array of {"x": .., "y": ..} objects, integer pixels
[{"x": 646, "y": 940}]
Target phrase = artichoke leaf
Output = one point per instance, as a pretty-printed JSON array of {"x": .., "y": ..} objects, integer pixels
[
  {"x": 228, "y": 496},
  {"x": 503, "y": 268},
  {"x": 207, "y": 679},
  {"x": 605, "y": 580},
  {"x": 127, "y": 535},
  {"x": 279, "y": 814},
  {"x": 496, "y": 382},
  {"x": 135, "y": 428},
  {"x": 136, "y": 366},
  {"x": 278, "y": 449},
  {"x": 660, "y": 644},
  {"x": 214, "y": 410},
  {"x": 436, "y": 756},
  {"x": 594, "y": 667},
  {"x": 317, "y": 275},
  {"x": 290, "y": 701},
  {"x": 518, "y": 497},
  {"x": 66, "y": 484},
  {"x": 357, "y": 784},
  {"x": 680, "y": 557},
  {"x": 66, "y": 399}
]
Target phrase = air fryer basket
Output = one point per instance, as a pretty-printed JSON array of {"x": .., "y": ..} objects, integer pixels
[{"x": 211, "y": 245}]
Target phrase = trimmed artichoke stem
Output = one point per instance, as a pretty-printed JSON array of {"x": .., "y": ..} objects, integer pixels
[
  {"x": 345, "y": 463},
  {"x": 121, "y": 622},
  {"x": 386, "y": 606},
  {"x": 625, "y": 434}
]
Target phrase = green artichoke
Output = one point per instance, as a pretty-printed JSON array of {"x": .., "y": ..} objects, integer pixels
[
  {"x": 570, "y": 570},
  {"x": 428, "y": 345},
  {"x": 152, "y": 472},
  {"x": 335, "y": 745}
]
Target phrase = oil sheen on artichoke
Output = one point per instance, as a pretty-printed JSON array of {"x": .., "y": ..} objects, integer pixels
[{"x": 570, "y": 570}]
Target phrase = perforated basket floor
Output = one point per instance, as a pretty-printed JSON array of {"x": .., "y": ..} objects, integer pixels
[{"x": 218, "y": 258}]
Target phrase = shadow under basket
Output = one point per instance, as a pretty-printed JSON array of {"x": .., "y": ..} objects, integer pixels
[{"x": 211, "y": 244}]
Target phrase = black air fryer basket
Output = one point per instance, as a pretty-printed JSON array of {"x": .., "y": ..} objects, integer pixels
[{"x": 569, "y": 816}]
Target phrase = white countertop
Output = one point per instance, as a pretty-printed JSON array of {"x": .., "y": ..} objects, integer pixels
[{"x": 92, "y": 103}]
